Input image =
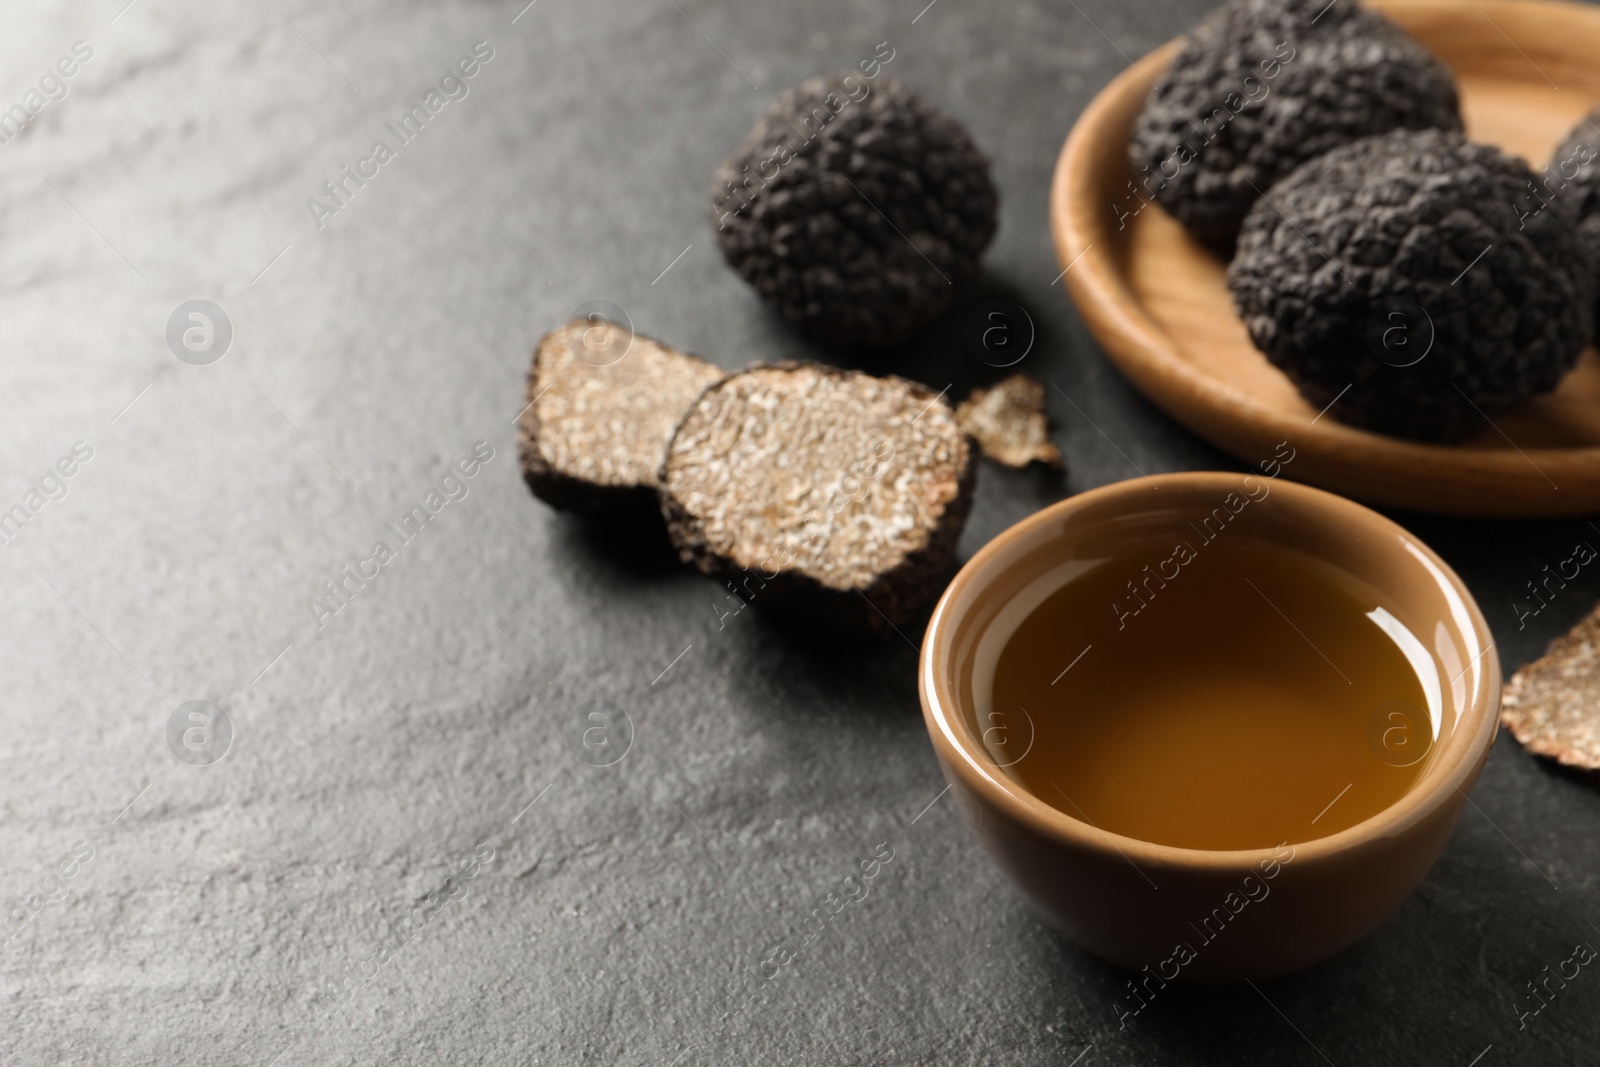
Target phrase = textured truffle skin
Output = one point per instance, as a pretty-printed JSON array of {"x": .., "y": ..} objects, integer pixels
[
  {"x": 1262, "y": 86},
  {"x": 1394, "y": 233},
  {"x": 1573, "y": 175},
  {"x": 855, "y": 209},
  {"x": 1009, "y": 422},
  {"x": 1573, "y": 171}
]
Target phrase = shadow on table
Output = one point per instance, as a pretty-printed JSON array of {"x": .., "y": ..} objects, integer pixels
[
  {"x": 631, "y": 542},
  {"x": 821, "y": 671},
  {"x": 987, "y": 334}
]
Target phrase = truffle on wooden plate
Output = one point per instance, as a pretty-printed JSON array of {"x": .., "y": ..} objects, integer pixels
[
  {"x": 1573, "y": 177},
  {"x": 1009, "y": 422},
  {"x": 1552, "y": 705},
  {"x": 1399, "y": 285},
  {"x": 1261, "y": 86},
  {"x": 602, "y": 405},
  {"x": 828, "y": 493}
]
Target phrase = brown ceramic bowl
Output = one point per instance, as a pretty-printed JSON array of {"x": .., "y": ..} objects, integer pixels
[{"x": 1134, "y": 902}]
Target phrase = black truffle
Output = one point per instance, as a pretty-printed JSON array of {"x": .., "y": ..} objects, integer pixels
[
  {"x": 1260, "y": 87},
  {"x": 1403, "y": 266},
  {"x": 1573, "y": 175},
  {"x": 855, "y": 209}
]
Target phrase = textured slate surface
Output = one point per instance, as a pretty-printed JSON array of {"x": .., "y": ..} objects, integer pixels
[{"x": 616, "y": 914}]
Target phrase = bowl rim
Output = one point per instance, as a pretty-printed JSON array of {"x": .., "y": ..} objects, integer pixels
[{"x": 1450, "y": 770}]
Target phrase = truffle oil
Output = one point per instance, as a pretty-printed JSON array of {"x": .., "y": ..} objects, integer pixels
[{"x": 1227, "y": 694}]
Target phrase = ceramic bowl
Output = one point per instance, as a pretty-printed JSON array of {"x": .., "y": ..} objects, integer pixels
[{"x": 1154, "y": 908}]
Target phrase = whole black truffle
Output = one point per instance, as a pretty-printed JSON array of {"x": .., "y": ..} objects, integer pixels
[
  {"x": 855, "y": 209},
  {"x": 1403, "y": 267},
  {"x": 1260, "y": 87}
]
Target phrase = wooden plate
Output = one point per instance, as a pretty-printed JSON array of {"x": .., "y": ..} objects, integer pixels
[{"x": 1159, "y": 302}]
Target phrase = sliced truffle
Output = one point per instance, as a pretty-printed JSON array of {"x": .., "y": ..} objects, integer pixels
[
  {"x": 1552, "y": 705},
  {"x": 1262, "y": 86},
  {"x": 855, "y": 209},
  {"x": 1397, "y": 280},
  {"x": 1009, "y": 422},
  {"x": 602, "y": 405},
  {"x": 829, "y": 493}
]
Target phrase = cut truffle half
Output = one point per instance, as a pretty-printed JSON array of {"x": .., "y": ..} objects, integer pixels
[
  {"x": 1009, "y": 422},
  {"x": 828, "y": 493},
  {"x": 855, "y": 209},
  {"x": 602, "y": 405},
  {"x": 1399, "y": 285},
  {"x": 1552, "y": 706},
  {"x": 1261, "y": 86}
]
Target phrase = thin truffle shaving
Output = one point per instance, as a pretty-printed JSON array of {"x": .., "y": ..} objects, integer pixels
[
  {"x": 1552, "y": 705},
  {"x": 1009, "y": 422}
]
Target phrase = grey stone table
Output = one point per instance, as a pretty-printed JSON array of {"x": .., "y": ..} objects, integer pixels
[{"x": 407, "y": 854}]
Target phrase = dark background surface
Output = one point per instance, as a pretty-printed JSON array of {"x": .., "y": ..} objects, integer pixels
[{"x": 441, "y": 712}]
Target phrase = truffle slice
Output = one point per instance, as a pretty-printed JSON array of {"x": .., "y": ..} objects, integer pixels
[
  {"x": 828, "y": 493},
  {"x": 1262, "y": 86},
  {"x": 1552, "y": 705},
  {"x": 602, "y": 405},
  {"x": 855, "y": 209},
  {"x": 1402, "y": 268},
  {"x": 1009, "y": 423}
]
